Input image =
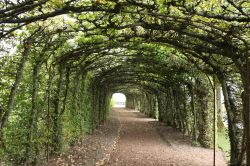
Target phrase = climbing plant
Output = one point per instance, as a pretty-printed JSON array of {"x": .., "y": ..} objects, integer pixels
[{"x": 60, "y": 62}]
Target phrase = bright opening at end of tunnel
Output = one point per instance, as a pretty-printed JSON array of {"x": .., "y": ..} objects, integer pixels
[{"x": 119, "y": 100}]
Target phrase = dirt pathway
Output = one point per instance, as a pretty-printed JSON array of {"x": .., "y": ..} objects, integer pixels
[
  {"x": 145, "y": 142},
  {"x": 129, "y": 138}
]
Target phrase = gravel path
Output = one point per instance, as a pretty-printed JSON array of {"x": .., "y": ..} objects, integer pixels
[
  {"x": 146, "y": 142},
  {"x": 129, "y": 138}
]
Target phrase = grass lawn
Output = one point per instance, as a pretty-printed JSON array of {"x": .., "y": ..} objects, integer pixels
[{"x": 223, "y": 143}]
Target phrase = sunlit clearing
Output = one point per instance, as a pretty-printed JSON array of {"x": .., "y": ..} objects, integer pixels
[{"x": 119, "y": 100}]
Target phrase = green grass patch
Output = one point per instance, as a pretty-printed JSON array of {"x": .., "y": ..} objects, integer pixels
[{"x": 224, "y": 144}]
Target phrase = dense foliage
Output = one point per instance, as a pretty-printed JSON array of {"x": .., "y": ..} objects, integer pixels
[{"x": 60, "y": 62}]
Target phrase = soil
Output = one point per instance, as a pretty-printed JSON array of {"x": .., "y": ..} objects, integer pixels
[{"x": 129, "y": 138}]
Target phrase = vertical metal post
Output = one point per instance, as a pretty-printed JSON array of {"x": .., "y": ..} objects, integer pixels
[
  {"x": 247, "y": 101},
  {"x": 215, "y": 118}
]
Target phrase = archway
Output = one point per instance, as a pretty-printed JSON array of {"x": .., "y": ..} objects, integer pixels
[{"x": 81, "y": 52}]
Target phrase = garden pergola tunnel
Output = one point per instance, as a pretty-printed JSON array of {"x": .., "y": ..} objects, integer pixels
[{"x": 61, "y": 61}]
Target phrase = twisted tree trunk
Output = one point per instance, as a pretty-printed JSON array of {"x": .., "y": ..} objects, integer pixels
[
  {"x": 192, "y": 103},
  {"x": 11, "y": 98},
  {"x": 33, "y": 111},
  {"x": 235, "y": 135},
  {"x": 57, "y": 128},
  {"x": 245, "y": 75}
]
